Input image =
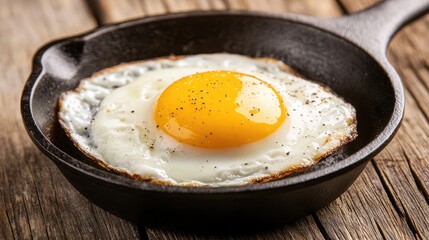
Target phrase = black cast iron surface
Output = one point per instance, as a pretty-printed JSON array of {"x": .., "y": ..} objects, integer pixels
[{"x": 324, "y": 51}]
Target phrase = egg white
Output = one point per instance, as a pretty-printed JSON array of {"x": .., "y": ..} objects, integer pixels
[{"x": 110, "y": 118}]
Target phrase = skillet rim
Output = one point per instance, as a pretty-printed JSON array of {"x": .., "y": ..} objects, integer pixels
[{"x": 363, "y": 154}]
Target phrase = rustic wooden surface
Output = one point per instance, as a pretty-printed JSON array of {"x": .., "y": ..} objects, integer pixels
[{"x": 389, "y": 200}]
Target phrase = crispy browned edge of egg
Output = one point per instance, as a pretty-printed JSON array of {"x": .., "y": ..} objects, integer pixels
[{"x": 276, "y": 176}]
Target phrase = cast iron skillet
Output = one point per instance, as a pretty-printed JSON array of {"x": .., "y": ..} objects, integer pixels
[{"x": 347, "y": 54}]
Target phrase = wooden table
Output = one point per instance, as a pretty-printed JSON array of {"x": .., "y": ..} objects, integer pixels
[{"x": 389, "y": 199}]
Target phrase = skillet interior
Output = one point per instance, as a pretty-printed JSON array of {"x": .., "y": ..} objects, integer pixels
[{"x": 318, "y": 55}]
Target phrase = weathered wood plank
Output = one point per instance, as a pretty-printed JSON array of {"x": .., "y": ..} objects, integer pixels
[
  {"x": 35, "y": 199},
  {"x": 404, "y": 164},
  {"x": 189, "y": 5},
  {"x": 352, "y": 7},
  {"x": 114, "y": 11},
  {"x": 364, "y": 212},
  {"x": 325, "y": 8}
]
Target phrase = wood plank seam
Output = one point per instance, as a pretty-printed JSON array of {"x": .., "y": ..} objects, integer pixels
[
  {"x": 408, "y": 218},
  {"x": 380, "y": 229},
  {"x": 95, "y": 10},
  {"x": 28, "y": 218},
  {"x": 141, "y": 228},
  {"x": 165, "y": 5},
  {"x": 320, "y": 226},
  {"x": 226, "y": 4},
  {"x": 342, "y": 7},
  {"x": 386, "y": 188},
  {"x": 426, "y": 66},
  {"x": 417, "y": 180},
  {"x": 403, "y": 214},
  {"x": 420, "y": 81},
  {"x": 420, "y": 185},
  {"x": 39, "y": 204},
  {"x": 8, "y": 219},
  {"x": 12, "y": 220}
]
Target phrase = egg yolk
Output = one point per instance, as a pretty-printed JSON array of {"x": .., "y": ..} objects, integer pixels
[{"x": 219, "y": 109}]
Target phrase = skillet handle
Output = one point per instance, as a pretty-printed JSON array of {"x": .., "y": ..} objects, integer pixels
[{"x": 373, "y": 28}]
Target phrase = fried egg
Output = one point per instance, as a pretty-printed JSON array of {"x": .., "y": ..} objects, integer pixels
[{"x": 205, "y": 120}]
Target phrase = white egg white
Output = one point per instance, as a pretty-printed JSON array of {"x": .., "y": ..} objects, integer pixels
[{"x": 110, "y": 118}]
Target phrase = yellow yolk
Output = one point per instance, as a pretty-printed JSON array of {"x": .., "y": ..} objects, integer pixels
[{"x": 219, "y": 109}]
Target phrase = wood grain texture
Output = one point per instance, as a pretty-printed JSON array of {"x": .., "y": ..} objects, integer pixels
[
  {"x": 364, "y": 211},
  {"x": 127, "y": 9},
  {"x": 404, "y": 164},
  {"x": 321, "y": 8},
  {"x": 189, "y": 5},
  {"x": 36, "y": 202},
  {"x": 409, "y": 53},
  {"x": 114, "y": 11}
]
